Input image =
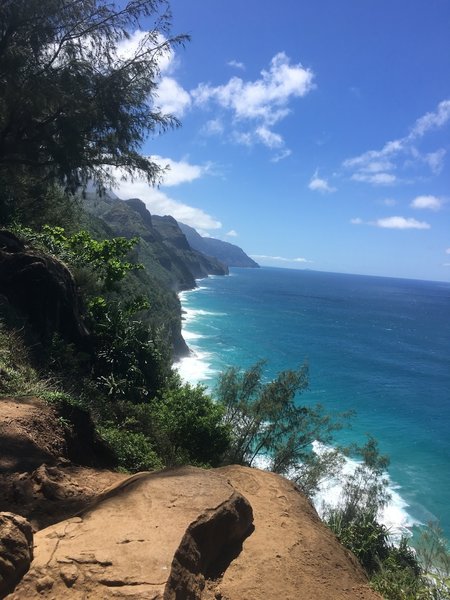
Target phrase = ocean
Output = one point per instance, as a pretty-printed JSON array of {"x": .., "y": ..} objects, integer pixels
[{"x": 377, "y": 346}]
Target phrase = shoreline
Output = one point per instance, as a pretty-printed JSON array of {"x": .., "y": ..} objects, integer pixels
[{"x": 197, "y": 368}]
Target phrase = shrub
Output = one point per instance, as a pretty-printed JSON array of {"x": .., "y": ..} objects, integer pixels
[
  {"x": 363, "y": 535},
  {"x": 133, "y": 451},
  {"x": 399, "y": 576},
  {"x": 265, "y": 420},
  {"x": 130, "y": 361},
  {"x": 189, "y": 425},
  {"x": 17, "y": 376}
]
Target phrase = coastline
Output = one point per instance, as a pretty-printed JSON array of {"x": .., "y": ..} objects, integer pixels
[
  {"x": 193, "y": 366},
  {"x": 198, "y": 368}
]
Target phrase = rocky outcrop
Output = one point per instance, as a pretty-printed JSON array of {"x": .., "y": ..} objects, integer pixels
[
  {"x": 16, "y": 550},
  {"x": 171, "y": 265},
  {"x": 291, "y": 554},
  {"x": 163, "y": 244},
  {"x": 152, "y": 536},
  {"x": 232, "y": 533},
  {"x": 41, "y": 288},
  {"x": 190, "y": 534},
  {"x": 30, "y": 435},
  {"x": 196, "y": 262}
]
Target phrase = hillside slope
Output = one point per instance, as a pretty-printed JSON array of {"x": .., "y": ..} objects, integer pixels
[
  {"x": 171, "y": 265},
  {"x": 229, "y": 254}
]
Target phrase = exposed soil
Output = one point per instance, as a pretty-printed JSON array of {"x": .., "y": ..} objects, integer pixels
[
  {"x": 37, "y": 479},
  {"x": 186, "y": 534}
]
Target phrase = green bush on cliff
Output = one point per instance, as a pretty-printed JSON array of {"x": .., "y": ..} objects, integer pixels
[
  {"x": 133, "y": 451},
  {"x": 265, "y": 420},
  {"x": 130, "y": 361},
  {"x": 105, "y": 258},
  {"x": 182, "y": 423},
  {"x": 190, "y": 424},
  {"x": 395, "y": 570}
]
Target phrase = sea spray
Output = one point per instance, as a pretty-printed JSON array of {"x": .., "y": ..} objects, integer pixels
[{"x": 329, "y": 494}]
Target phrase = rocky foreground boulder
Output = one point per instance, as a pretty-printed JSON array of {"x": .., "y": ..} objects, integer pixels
[
  {"x": 185, "y": 534},
  {"x": 16, "y": 550}
]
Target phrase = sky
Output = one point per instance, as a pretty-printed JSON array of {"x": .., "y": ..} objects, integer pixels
[{"x": 315, "y": 134}]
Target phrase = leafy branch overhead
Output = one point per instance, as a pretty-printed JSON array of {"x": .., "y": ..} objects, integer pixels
[
  {"x": 72, "y": 102},
  {"x": 105, "y": 258}
]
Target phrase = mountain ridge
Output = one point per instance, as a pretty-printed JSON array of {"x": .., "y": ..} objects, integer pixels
[{"x": 230, "y": 254}]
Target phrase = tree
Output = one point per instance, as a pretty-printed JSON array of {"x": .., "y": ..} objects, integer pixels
[
  {"x": 189, "y": 425},
  {"x": 266, "y": 421},
  {"x": 72, "y": 103}
]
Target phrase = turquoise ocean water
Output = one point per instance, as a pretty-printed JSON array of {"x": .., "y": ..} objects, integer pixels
[{"x": 379, "y": 346}]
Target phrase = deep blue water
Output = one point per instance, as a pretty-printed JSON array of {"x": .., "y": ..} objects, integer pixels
[{"x": 379, "y": 346}]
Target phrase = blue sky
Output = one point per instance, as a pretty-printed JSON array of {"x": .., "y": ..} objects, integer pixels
[{"x": 314, "y": 134}]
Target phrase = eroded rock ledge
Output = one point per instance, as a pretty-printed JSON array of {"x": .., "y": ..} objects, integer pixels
[{"x": 191, "y": 534}]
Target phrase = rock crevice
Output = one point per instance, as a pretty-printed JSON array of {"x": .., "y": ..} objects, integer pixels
[{"x": 208, "y": 547}]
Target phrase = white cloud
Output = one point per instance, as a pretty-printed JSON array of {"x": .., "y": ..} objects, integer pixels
[
  {"x": 447, "y": 251},
  {"x": 269, "y": 138},
  {"x": 129, "y": 47},
  {"x": 245, "y": 138},
  {"x": 258, "y": 104},
  {"x": 376, "y": 166},
  {"x": 267, "y": 97},
  {"x": 366, "y": 161},
  {"x": 435, "y": 160},
  {"x": 179, "y": 171},
  {"x": 213, "y": 127},
  {"x": 356, "y": 221},
  {"x": 389, "y": 202},
  {"x": 427, "y": 202},
  {"x": 171, "y": 98},
  {"x": 236, "y": 64},
  {"x": 280, "y": 258},
  {"x": 400, "y": 223},
  {"x": 375, "y": 178},
  {"x": 160, "y": 203},
  {"x": 232, "y": 233},
  {"x": 317, "y": 184},
  {"x": 281, "y": 155},
  {"x": 431, "y": 120}
]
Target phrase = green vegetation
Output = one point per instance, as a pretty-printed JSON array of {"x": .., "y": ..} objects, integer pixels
[
  {"x": 133, "y": 451},
  {"x": 17, "y": 375},
  {"x": 396, "y": 570},
  {"x": 72, "y": 109},
  {"x": 106, "y": 258},
  {"x": 72, "y": 104},
  {"x": 267, "y": 422}
]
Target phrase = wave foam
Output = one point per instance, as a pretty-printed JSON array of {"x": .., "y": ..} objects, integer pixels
[
  {"x": 394, "y": 515},
  {"x": 195, "y": 368},
  {"x": 191, "y": 335}
]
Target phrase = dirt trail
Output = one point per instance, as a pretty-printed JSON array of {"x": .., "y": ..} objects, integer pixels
[
  {"x": 186, "y": 534},
  {"x": 37, "y": 480}
]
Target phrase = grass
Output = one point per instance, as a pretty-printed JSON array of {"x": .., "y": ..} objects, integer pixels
[{"x": 17, "y": 376}]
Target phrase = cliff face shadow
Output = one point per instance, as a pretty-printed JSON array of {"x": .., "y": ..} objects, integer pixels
[
  {"x": 229, "y": 553},
  {"x": 18, "y": 453},
  {"x": 208, "y": 547}
]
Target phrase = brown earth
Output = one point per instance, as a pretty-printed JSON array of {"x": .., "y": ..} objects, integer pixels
[
  {"x": 37, "y": 481},
  {"x": 225, "y": 534}
]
